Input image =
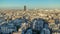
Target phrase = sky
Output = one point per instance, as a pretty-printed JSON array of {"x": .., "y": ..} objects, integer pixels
[{"x": 30, "y": 3}]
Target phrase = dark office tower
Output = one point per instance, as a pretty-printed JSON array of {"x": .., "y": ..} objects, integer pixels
[{"x": 25, "y": 8}]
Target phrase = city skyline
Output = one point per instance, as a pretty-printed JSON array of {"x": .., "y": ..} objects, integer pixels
[{"x": 30, "y": 3}]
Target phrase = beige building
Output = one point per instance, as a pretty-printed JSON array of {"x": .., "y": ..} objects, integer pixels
[{"x": 17, "y": 32}]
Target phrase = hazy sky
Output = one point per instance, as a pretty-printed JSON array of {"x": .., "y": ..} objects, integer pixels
[{"x": 30, "y": 3}]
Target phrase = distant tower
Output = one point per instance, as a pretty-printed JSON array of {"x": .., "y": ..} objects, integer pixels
[{"x": 24, "y": 7}]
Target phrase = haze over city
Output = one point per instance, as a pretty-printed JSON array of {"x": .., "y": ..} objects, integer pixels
[
  {"x": 29, "y": 16},
  {"x": 30, "y": 3}
]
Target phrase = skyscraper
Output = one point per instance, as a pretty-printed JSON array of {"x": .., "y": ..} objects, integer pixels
[{"x": 24, "y": 7}]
